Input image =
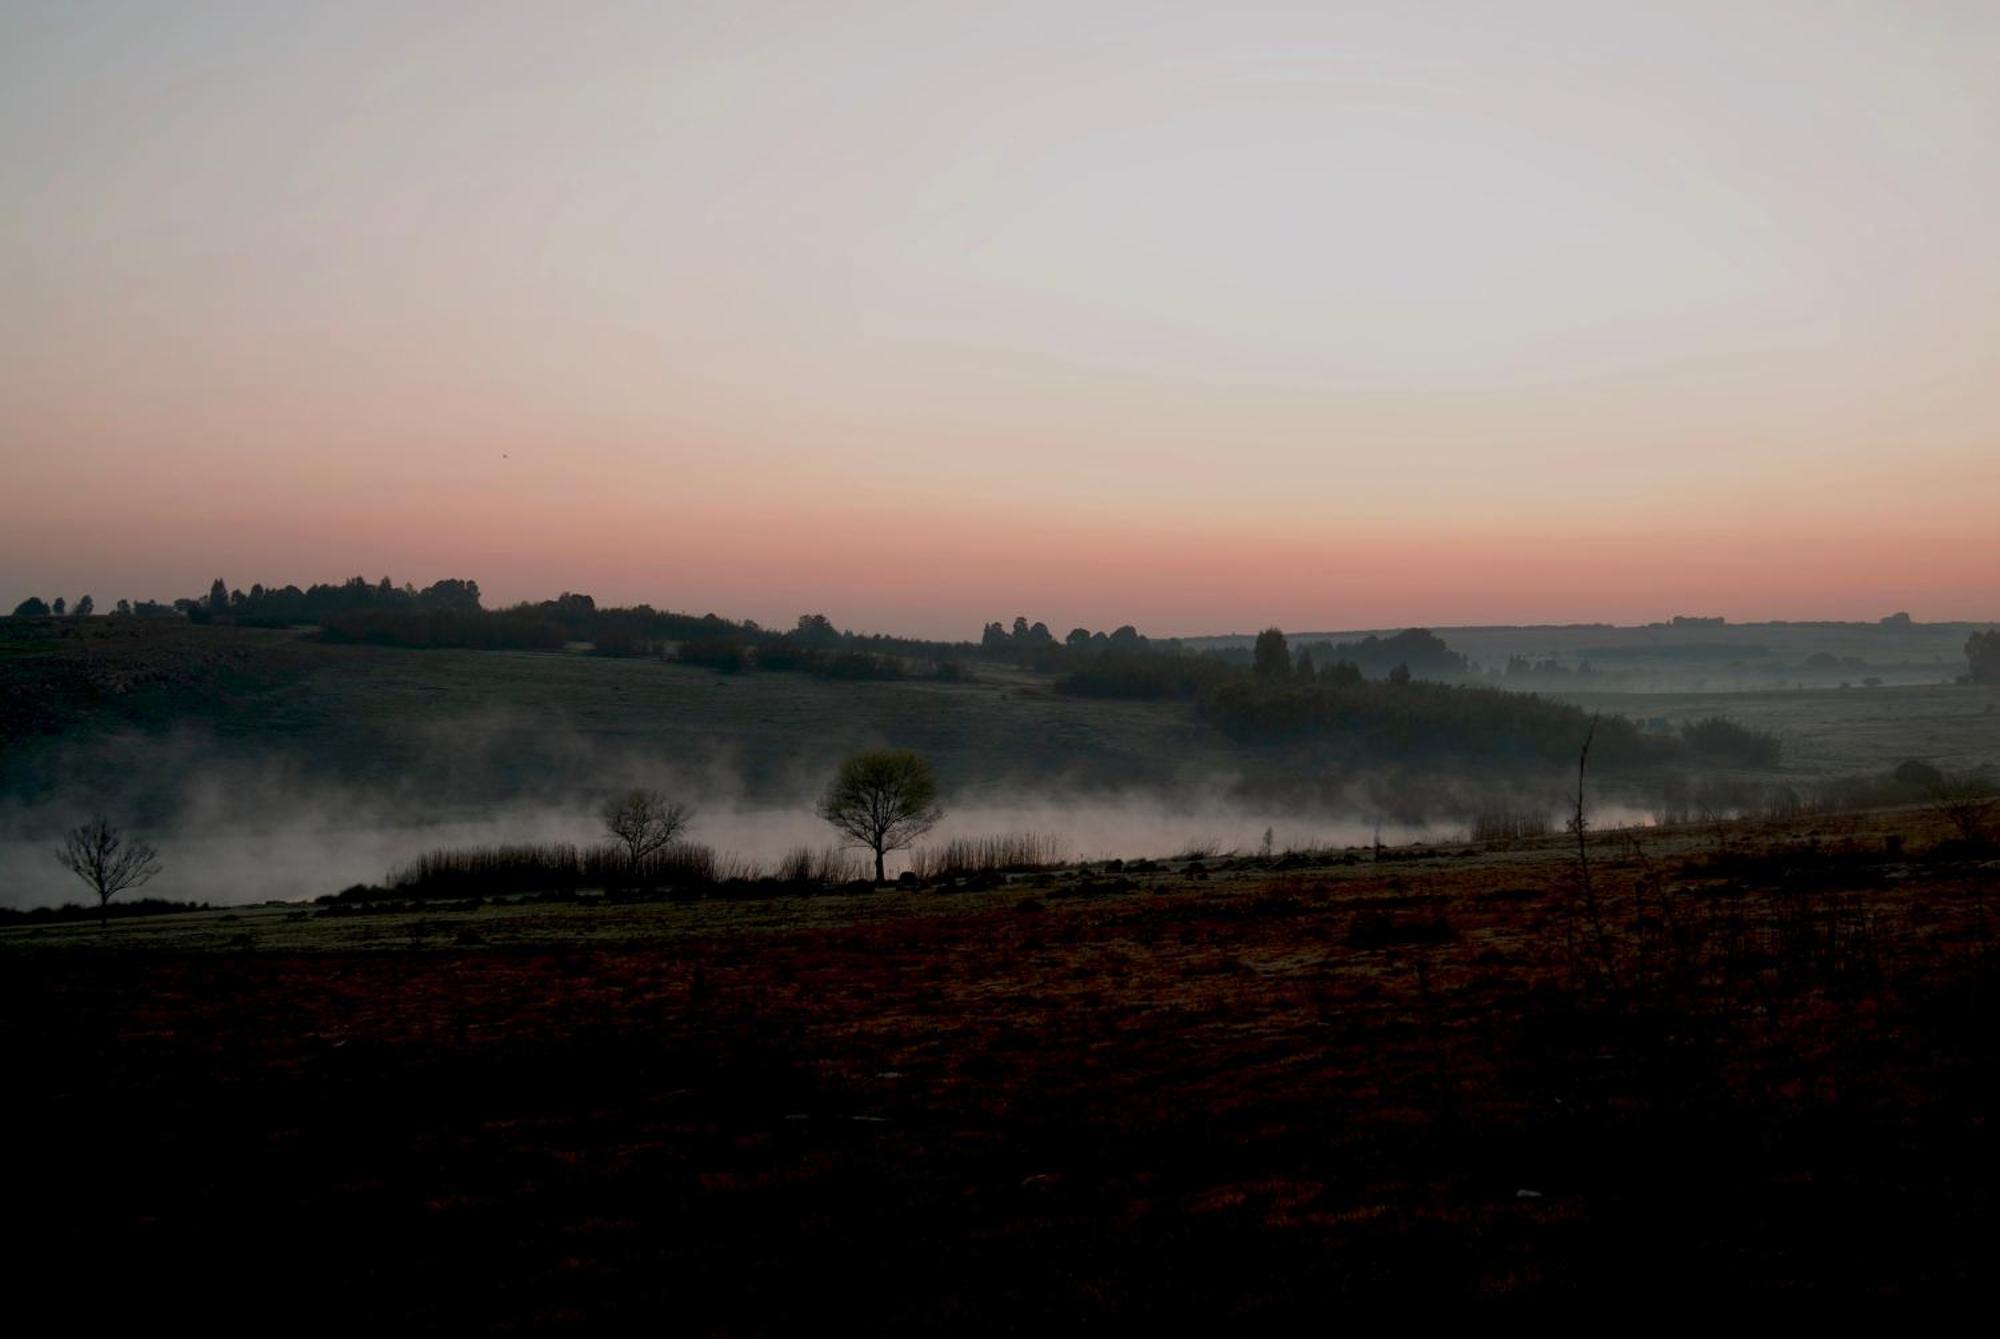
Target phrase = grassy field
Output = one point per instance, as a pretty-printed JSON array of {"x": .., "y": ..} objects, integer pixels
[
  {"x": 493, "y": 723},
  {"x": 1752, "y": 1062},
  {"x": 1713, "y": 658},
  {"x": 477, "y": 726},
  {"x": 1842, "y": 731}
]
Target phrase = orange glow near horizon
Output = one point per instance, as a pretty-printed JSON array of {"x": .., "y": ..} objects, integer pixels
[{"x": 1198, "y": 321}]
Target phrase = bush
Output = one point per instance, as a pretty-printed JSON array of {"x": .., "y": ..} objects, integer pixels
[
  {"x": 1915, "y": 773},
  {"x": 722, "y": 654}
]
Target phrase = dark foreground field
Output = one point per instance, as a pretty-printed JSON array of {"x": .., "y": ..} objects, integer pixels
[{"x": 1255, "y": 1098}]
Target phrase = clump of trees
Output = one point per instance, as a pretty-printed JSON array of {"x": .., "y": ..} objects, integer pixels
[
  {"x": 426, "y": 629},
  {"x": 883, "y": 799},
  {"x": 36, "y": 607},
  {"x": 108, "y": 861},
  {"x": 285, "y": 606}
]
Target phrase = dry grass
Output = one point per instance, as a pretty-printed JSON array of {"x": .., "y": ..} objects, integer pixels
[
  {"x": 1009, "y": 852},
  {"x": 1245, "y": 1102}
]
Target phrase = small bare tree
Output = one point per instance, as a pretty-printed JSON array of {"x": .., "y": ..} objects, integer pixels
[
  {"x": 645, "y": 821},
  {"x": 1579, "y": 823},
  {"x": 884, "y": 799},
  {"x": 1966, "y": 801},
  {"x": 100, "y": 855}
]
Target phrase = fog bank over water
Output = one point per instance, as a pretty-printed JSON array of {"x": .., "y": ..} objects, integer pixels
[
  {"x": 245, "y": 817},
  {"x": 326, "y": 850}
]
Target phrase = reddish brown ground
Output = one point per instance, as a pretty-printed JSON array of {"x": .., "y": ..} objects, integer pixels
[{"x": 1246, "y": 1101}]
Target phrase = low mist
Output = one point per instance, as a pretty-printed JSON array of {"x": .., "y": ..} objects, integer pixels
[{"x": 235, "y": 826}]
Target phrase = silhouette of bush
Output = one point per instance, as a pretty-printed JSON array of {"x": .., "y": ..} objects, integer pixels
[
  {"x": 724, "y": 655},
  {"x": 1720, "y": 737}
]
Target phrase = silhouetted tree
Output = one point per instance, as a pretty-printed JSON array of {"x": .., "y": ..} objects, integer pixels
[
  {"x": 99, "y": 854},
  {"x": 1078, "y": 639},
  {"x": 1271, "y": 656},
  {"x": 1983, "y": 650},
  {"x": 645, "y": 821},
  {"x": 815, "y": 630},
  {"x": 218, "y": 597},
  {"x": 59, "y": 607},
  {"x": 1400, "y": 676},
  {"x": 85, "y": 607},
  {"x": 32, "y": 607},
  {"x": 883, "y": 799},
  {"x": 450, "y": 593},
  {"x": 125, "y": 607}
]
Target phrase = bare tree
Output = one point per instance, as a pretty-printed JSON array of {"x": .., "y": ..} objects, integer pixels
[
  {"x": 1966, "y": 801},
  {"x": 99, "y": 854},
  {"x": 1579, "y": 823},
  {"x": 884, "y": 799},
  {"x": 645, "y": 821}
]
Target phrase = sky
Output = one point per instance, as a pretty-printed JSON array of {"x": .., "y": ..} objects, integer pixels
[{"x": 1195, "y": 316}]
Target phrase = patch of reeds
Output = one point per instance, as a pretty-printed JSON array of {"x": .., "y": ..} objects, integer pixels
[
  {"x": 559, "y": 867},
  {"x": 1494, "y": 827},
  {"x": 1004, "y": 853}
]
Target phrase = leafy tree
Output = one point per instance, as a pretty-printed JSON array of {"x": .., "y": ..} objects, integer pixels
[
  {"x": 99, "y": 854},
  {"x": 645, "y": 821},
  {"x": 883, "y": 799},
  {"x": 1400, "y": 676},
  {"x": 32, "y": 607},
  {"x": 218, "y": 597},
  {"x": 59, "y": 608},
  {"x": 85, "y": 607},
  {"x": 1078, "y": 639},
  {"x": 1271, "y": 656},
  {"x": 125, "y": 608}
]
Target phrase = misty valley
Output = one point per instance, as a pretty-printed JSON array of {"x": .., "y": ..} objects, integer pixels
[
  {"x": 661, "y": 953},
  {"x": 269, "y": 761},
  {"x": 1049, "y": 668}
]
